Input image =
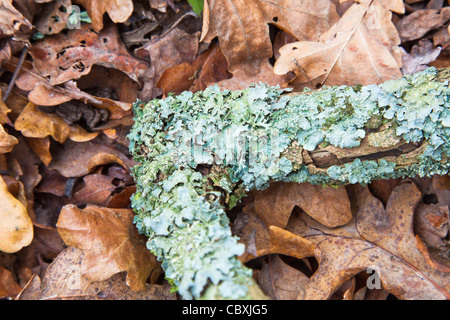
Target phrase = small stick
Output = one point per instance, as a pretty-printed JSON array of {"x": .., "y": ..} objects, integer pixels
[{"x": 16, "y": 73}]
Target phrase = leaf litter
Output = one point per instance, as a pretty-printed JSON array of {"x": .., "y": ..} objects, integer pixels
[{"x": 65, "y": 167}]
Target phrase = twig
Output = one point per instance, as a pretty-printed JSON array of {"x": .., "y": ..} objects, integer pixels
[{"x": 16, "y": 73}]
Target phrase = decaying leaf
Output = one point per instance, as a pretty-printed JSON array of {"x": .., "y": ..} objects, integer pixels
[
  {"x": 7, "y": 141},
  {"x": 418, "y": 23},
  {"x": 12, "y": 22},
  {"x": 360, "y": 48},
  {"x": 381, "y": 239},
  {"x": 16, "y": 228},
  {"x": 168, "y": 50},
  {"x": 110, "y": 243},
  {"x": 243, "y": 31},
  {"x": 329, "y": 206},
  {"x": 421, "y": 55},
  {"x": 118, "y": 11},
  {"x": 67, "y": 57},
  {"x": 54, "y": 16},
  {"x": 64, "y": 280},
  {"x": 8, "y": 285},
  {"x": 34, "y": 123},
  {"x": 281, "y": 281},
  {"x": 304, "y": 19},
  {"x": 76, "y": 159}
]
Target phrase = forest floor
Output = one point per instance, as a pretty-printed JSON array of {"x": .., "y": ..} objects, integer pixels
[{"x": 70, "y": 71}]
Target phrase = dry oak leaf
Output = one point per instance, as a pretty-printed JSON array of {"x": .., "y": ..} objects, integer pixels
[
  {"x": 64, "y": 280},
  {"x": 4, "y": 110},
  {"x": 53, "y": 18},
  {"x": 42, "y": 93},
  {"x": 8, "y": 285},
  {"x": 362, "y": 47},
  {"x": 378, "y": 238},
  {"x": 12, "y": 23},
  {"x": 415, "y": 25},
  {"x": 118, "y": 10},
  {"x": 110, "y": 242},
  {"x": 168, "y": 50},
  {"x": 397, "y": 6},
  {"x": 77, "y": 159},
  {"x": 16, "y": 227},
  {"x": 260, "y": 240},
  {"x": 280, "y": 281},
  {"x": 67, "y": 57},
  {"x": 7, "y": 141},
  {"x": 33, "y": 123},
  {"x": 420, "y": 56},
  {"x": 329, "y": 206},
  {"x": 243, "y": 31}
]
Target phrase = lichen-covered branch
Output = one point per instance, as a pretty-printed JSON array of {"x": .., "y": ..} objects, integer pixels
[{"x": 199, "y": 153}]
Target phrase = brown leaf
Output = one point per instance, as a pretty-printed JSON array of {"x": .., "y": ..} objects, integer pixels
[
  {"x": 4, "y": 110},
  {"x": 431, "y": 225},
  {"x": 261, "y": 240},
  {"x": 417, "y": 24},
  {"x": 95, "y": 189},
  {"x": 52, "y": 182},
  {"x": 16, "y": 228},
  {"x": 421, "y": 55},
  {"x": 67, "y": 57},
  {"x": 121, "y": 199},
  {"x": 8, "y": 285},
  {"x": 7, "y": 141},
  {"x": 53, "y": 18},
  {"x": 213, "y": 70},
  {"x": 281, "y": 281},
  {"x": 181, "y": 77},
  {"x": 76, "y": 159},
  {"x": 304, "y": 19},
  {"x": 34, "y": 123},
  {"x": 166, "y": 51},
  {"x": 110, "y": 242},
  {"x": 329, "y": 206},
  {"x": 118, "y": 11},
  {"x": 41, "y": 148},
  {"x": 241, "y": 80},
  {"x": 12, "y": 23},
  {"x": 64, "y": 280},
  {"x": 379, "y": 238},
  {"x": 362, "y": 48},
  {"x": 243, "y": 31},
  {"x": 42, "y": 93}
]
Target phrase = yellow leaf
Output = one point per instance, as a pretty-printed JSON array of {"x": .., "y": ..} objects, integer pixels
[
  {"x": 7, "y": 142},
  {"x": 16, "y": 227}
]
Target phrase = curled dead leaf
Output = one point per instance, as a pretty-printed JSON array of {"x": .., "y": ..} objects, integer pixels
[
  {"x": 67, "y": 57},
  {"x": 64, "y": 280},
  {"x": 16, "y": 227},
  {"x": 110, "y": 243},
  {"x": 329, "y": 206},
  {"x": 118, "y": 11},
  {"x": 34, "y": 123},
  {"x": 53, "y": 18},
  {"x": 364, "y": 34},
  {"x": 7, "y": 141},
  {"x": 12, "y": 22}
]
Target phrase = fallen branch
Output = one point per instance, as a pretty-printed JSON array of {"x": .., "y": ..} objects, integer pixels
[{"x": 199, "y": 153}]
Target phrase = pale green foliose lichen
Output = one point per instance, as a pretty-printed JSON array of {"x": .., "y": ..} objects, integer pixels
[{"x": 180, "y": 140}]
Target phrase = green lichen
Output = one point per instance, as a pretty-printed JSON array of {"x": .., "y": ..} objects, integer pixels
[{"x": 199, "y": 153}]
